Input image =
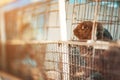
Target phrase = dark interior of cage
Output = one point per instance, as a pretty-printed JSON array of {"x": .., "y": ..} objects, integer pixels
[{"x": 84, "y": 61}]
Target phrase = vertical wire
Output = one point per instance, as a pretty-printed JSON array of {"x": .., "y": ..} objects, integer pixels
[
  {"x": 72, "y": 21},
  {"x": 118, "y": 23},
  {"x": 85, "y": 11},
  {"x": 79, "y": 58},
  {"x": 111, "y": 19},
  {"x": 88, "y": 11},
  {"x": 94, "y": 30},
  {"x": 101, "y": 15},
  {"x": 108, "y": 16},
  {"x": 75, "y": 56},
  {"x": 115, "y": 27},
  {"x": 107, "y": 19},
  {"x": 95, "y": 19},
  {"x": 82, "y": 11},
  {"x": 79, "y": 12}
]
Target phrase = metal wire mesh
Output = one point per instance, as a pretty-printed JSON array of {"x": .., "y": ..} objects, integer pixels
[
  {"x": 82, "y": 17},
  {"x": 62, "y": 60},
  {"x": 103, "y": 11},
  {"x": 34, "y": 61}
]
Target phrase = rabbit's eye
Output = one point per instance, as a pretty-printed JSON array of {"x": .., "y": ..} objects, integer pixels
[{"x": 82, "y": 27}]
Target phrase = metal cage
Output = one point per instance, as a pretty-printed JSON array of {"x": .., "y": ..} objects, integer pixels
[
  {"x": 104, "y": 11},
  {"x": 60, "y": 60},
  {"x": 84, "y": 58}
]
